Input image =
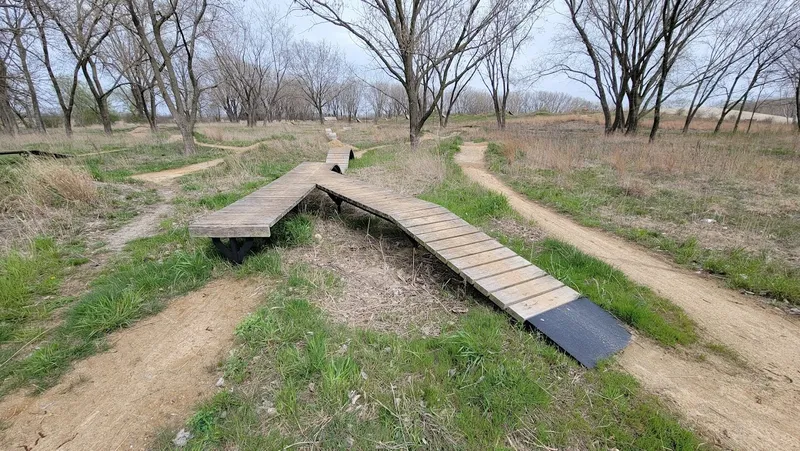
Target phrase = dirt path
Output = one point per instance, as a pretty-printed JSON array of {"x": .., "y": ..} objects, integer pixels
[
  {"x": 152, "y": 377},
  {"x": 162, "y": 177},
  {"x": 752, "y": 408}
]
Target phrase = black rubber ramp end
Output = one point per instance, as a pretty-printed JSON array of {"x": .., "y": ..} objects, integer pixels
[{"x": 583, "y": 330}]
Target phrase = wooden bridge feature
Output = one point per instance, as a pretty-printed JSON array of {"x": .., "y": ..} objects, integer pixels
[
  {"x": 340, "y": 157},
  {"x": 529, "y": 294}
]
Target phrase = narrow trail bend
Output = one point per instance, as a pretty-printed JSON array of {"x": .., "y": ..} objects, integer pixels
[
  {"x": 152, "y": 377},
  {"x": 744, "y": 408}
]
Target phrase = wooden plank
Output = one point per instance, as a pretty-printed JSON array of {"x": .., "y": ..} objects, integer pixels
[
  {"x": 505, "y": 280},
  {"x": 499, "y": 267},
  {"x": 520, "y": 292},
  {"x": 540, "y": 304},
  {"x": 472, "y": 249},
  {"x": 427, "y": 219},
  {"x": 431, "y": 237},
  {"x": 458, "y": 241},
  {"x": 482, "y": 258},
  {"x": 423, "y": 211},
  {"x": 417, "y": 230},
  {"x": 229, "y": 231}
]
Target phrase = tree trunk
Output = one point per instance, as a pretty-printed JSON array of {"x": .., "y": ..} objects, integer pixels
[
  {"x": 321, "y": 117},
  {"x": 37, "y": 121},
  {"x": 68, "y": 122},
  {"x": 187, "y": 133},
  {"x": 414, "y": 115},
  {"x": 689, "y": 118},
  {"x": 739, "y": 116},
  {"x": 797, "y": 104},
  {"x": 7, "y": 119},
  {"x": 105, "y": 117},
  {"x": 632, "y": 125}
]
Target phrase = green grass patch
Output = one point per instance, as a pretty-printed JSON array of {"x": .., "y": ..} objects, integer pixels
[
  {"x": 635, "y": 305},
  {"x": 608, "y": 287},
  {"x": 138, "y": 284},
  {"x": 374, "y": 157},
  {"x": 117, "y": 167},
  {"x": 29, "y": 283},
  {"x": 202, "y": 138},
  {"x": 480, "y": 382}
]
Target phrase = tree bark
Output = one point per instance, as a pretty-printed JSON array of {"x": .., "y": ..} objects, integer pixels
[
  {"x": 7, "y": 119},
  {"x": 739, "y": 116},
  {"x": 38, "y": 122},
  {"x": 797, "y": 104}
]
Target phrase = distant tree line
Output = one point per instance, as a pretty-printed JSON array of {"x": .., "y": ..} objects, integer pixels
[{"x": 84, "y": 61}]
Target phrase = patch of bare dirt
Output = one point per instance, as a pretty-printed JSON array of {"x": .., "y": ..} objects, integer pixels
[
  {"x": 145, "y": 224},
  {"x": 754, "y": 409},
  {"x": 388, "y": 285},
  {"x": 166, "y": 176},
  {"x": 152, "y": 377}
]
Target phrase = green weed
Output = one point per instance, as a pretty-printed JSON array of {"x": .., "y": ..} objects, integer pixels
[{"x": 478, "y": 383}]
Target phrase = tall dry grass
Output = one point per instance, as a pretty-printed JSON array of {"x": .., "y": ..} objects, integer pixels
[
  {"x": 757, "y": 158},
  {"x": 44, "y": 197}
]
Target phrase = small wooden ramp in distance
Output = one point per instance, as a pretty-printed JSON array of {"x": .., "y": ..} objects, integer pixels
[
  {"x": 340, "y": 157},
  {"x": 581, "y": 328}
]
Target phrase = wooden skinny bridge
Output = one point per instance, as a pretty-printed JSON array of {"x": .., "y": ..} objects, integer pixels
[{"x": 529, "y": 294}]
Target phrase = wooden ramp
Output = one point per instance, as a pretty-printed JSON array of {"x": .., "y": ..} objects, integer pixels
[
  {"x": 340, "y": 157},
  {"x": 526, "y": 292}
]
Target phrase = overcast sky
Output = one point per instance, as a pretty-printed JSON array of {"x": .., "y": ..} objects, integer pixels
[{"x": 310, "y": 28}]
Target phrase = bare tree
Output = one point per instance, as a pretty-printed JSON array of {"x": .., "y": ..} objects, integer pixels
[
  {"x": 769, "y": 36},
  {"x": 629, "y": 48},
  {"x": 681, "y": 22},
  {"x": 84, "y": 25},
  {"x": 279, "y": 35},
  {"x": 790, "y": 64},
  {"x": 496, "y": 71},
  {"x": 17, "y": 22},
  {"x": 128, "y": 57},
  {"x": 241, "y": 57},
  {"x": 377, "y": 98},
  {"x": 174, "y": 63},
  {"x": 351, "y": 97},
  {"x": 410, "y": 39},
  {"x": 722, "y": 51},
  {"x": 317, "y": 68},
  {"x": 8, "y": 122}
]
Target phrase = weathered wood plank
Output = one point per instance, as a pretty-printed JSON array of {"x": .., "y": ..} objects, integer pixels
[
  {"x": 229, "y": 231},
  {"x": 491, "y": 269},
  {"x": 482, "y": 258},
  {"x": 505, "y": 280},
  {"x": 472, "y": 249},
  {"x": 459, "y": 241},
  {"x": 418, "y": 230},
  {"x": 540, "y": 304},
  {"x": 520, "y": 292},
  {"x": 431, "y": 237}
]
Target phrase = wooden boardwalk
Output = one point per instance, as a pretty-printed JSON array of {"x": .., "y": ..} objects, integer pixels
[{"x": 516, "y": 286}]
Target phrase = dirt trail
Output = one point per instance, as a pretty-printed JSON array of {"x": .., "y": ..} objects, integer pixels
[
  {"x": 752, "y": 408},
  {"x": 152, "y": 377}
]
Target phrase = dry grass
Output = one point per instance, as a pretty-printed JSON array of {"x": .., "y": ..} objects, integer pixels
[
  {"x": 404, "y": 171},
  {"x": 382, "y": 277},
  {"x": 52, "y": 183},
  {"x": 88, "y": 139},
  {"x": 756, "y": 158},
  {"x": 727, "y": 191}
]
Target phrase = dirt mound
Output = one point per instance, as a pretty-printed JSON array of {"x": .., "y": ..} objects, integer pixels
[
  {"x": 752, "y": 408},
  {"x": 151, "y": 378}
]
